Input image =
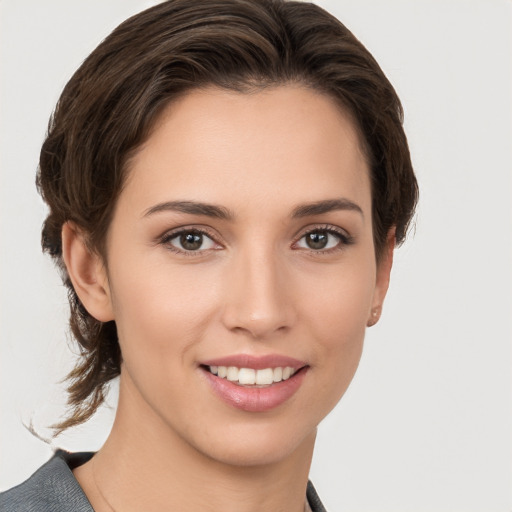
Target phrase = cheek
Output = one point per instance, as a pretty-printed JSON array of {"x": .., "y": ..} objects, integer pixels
[
  {"x": 160, "y": 309},
  {"x": 160, "y": 315},
  {"x": 339, "y": 302},
  {"x": 339, "y": 328},
  {"x": 337, "y": 313}
]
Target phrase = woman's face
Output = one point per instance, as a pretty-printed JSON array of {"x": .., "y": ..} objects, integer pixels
[{"x": 243, "y": 239}]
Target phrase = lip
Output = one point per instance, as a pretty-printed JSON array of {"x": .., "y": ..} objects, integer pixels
[
  {"x": 255, "y": 399},
  {"x": 256, "y": 362}
]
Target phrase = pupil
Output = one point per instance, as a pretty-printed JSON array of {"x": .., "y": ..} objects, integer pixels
[
  {"x": 191, "y": 241},
  {"x": 317, "y": 240}
]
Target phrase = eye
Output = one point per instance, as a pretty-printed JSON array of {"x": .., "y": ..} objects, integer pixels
[
  {"x": 189, "y": 241},
  {"x": 323, "y": 240}
]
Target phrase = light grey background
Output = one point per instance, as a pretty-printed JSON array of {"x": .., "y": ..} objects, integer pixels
[{"x": 427, "y": 422}]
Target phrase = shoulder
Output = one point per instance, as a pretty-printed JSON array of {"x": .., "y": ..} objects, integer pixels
[
  {"x": 51, "y": 488},
  {"x": 313, "y": 499}
]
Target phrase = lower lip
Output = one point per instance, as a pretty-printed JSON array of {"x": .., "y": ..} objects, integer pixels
[{"x": 254, "y": 399}]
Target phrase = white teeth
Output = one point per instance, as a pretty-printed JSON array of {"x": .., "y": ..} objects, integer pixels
[
  {"x": 232, "y": 374},
  {"x": 247, "y": 376},
  {"x": 265, "y": 377},
  {"x": 250, "y": 376}
]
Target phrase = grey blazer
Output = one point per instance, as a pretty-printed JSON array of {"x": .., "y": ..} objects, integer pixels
[{"x": 53, "y": 488}]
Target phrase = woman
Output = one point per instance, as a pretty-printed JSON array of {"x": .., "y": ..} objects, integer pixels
[{"x": 227, "y": 181}]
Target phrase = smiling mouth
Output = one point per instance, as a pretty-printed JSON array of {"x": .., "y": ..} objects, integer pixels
[
  {"x": 250, "y": 377},
  {"x": 255, "y": 384}
]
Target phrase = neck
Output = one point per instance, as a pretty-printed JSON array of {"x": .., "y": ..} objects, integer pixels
[{"x": 150, "y": 467}]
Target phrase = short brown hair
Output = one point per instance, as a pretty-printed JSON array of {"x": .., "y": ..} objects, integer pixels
[{"x": 109, "y": 106}]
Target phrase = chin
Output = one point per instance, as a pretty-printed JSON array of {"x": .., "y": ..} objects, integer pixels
[
  {"x": 256, "y": 445},
  {"x": 252, "y": 454}
]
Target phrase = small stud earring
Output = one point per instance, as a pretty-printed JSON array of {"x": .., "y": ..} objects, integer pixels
[{"x": 375, "y": 317}]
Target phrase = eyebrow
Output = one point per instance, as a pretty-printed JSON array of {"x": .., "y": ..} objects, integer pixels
[
  {"x": 220, "y": 212},
  {"x": 191, "y": 207},
  {"x": 326, "y": 206}
]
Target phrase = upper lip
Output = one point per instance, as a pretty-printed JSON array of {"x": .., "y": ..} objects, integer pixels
[{"x": 256, "y": 362}]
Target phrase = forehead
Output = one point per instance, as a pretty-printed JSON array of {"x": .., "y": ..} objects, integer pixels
[{"x": 287, "y": 143}]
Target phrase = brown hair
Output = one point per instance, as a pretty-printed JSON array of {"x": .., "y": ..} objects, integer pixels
[{"x": 109, "y": 106}]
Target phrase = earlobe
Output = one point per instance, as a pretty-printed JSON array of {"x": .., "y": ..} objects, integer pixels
[
  {"x": 87, "y": 273},
  {"x": 384, "y": 266}
]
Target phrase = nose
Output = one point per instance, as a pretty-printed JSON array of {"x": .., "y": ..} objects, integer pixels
[{"x": 259, "y": 298}]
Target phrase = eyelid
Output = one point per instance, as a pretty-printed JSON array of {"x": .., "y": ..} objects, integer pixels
[
  {"x": 171, "y": 234},
  {"x": 344, "y": 236}
]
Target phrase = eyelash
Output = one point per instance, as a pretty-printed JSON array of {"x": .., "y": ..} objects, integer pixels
[
  {"x": 344, "y": 240},
  {"x": 168, "y": 237}
]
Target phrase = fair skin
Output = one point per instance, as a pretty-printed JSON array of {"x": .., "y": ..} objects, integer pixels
[{"x": 189, "y": 284}]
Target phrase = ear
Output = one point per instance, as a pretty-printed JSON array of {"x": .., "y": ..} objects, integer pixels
[
  {"x": 87, "y": 273},
  {"x": 382, "y": 278}
]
